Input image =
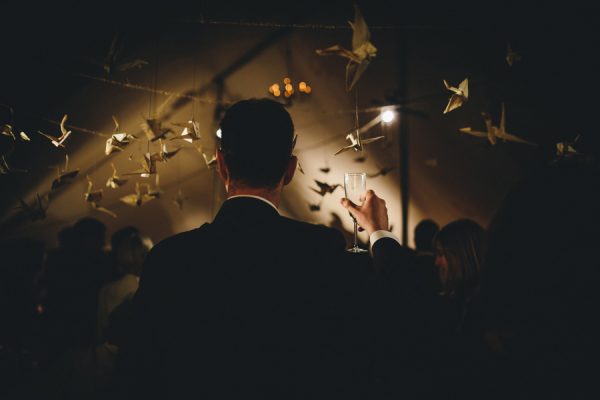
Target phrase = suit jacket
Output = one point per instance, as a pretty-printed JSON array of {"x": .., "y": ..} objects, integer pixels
[{"x": 254, "y": 304}]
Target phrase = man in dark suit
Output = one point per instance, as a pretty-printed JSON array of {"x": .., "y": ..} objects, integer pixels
[{"x": 254, "y": 304}]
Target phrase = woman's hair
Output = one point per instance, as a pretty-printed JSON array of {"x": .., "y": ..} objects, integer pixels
[{"x": 462, "y": 243}]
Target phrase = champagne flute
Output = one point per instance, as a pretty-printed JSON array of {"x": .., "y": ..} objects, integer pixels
[{"x": 355, "y": 186}]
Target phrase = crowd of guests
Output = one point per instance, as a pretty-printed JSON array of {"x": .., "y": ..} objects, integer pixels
[
  {"x": 64, "y": 310},
  {"x": 257, "y": 305}
]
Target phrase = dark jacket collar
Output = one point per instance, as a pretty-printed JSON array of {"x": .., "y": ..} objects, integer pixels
[{"x": 245, "y": 208}]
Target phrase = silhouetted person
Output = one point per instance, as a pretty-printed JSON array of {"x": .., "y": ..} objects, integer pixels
[
  {"x": 20, "y": 266},
  {"x": 128, "y": 252},
  {"x": 59, "y": 263},
  {"x": 66, "y": 238},
  {"x": 540, "y": 286},
  {"x": 427, "y": 272},
  {"x": 459, "y": 250},
  {"x": 75, "y": 275},
  {"x": 255, "y": 305},
  {"x": 425, "y": 231}
]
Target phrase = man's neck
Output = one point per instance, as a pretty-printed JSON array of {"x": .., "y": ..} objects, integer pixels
[{"x": 273, "y": 195}]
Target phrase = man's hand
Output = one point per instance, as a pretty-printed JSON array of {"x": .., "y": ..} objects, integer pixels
[{"x": 372, "y": 215}]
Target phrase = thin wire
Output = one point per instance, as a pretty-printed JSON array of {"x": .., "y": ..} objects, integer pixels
[
  {"x": 356, "y": 126},
  {"x": 78, "y": 128},
  {"x": 269, "y": 24},
  {"x": 154, "y": 78},
  {"x": 194, "y": 67},
  {"x": 129, "y": 85}
]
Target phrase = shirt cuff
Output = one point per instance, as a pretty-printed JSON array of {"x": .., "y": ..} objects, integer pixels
[{"x": 375, "y": 236}]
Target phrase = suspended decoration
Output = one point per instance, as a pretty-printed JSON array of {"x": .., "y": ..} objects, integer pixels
[{"x": 288, "y": 88}]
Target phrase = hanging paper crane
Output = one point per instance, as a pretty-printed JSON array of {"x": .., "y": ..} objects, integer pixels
[
  {"x": 363, "y": 51},
  {"x": 94, "y": 197},
  {"x": 64, "y": 176},
  {"x": 190, "y": 132},
  {"x": 115, "y": 181},
  {"x": 58, "y": 141},
  {"x": 356, "y": 142},
  {"x": 137, "y": 199},
  {"x": 118, "y": 140},
  {"x": 148, "y": 166},
  {"x": 459, "y": 96},
  {"x": 495, "y": 132}
]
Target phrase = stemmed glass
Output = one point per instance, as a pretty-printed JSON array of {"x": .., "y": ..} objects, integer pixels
[{"x": 355, "y": 186}]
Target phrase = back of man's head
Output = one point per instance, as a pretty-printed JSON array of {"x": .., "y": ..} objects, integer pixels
[
  {"x": 257, "y": 141},
  {"x": 424, "y": 233},
  {"x": 90, "y": 234}
]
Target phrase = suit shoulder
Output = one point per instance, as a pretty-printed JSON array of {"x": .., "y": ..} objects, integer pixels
[
  {"x": 178, "y": 243},
  {"x": 319, "y": 233}
]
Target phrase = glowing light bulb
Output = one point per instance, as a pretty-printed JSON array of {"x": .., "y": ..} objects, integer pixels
[
  {"x": 219, "y": 133},
  {"x": 388, "y": 116}
]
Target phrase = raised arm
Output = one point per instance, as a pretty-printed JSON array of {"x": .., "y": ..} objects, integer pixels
[{"x": 389, "y": 256}]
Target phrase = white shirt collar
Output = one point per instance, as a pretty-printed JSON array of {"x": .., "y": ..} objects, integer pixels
[{"x": 255, "y": 197}]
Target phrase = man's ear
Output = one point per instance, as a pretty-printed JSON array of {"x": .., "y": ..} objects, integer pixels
[
  {"x": 221, "y": 167},
  {"x": 291, "y": 170}
]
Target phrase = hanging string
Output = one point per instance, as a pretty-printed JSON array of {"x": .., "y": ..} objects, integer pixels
[
  {"x": 78, "y": 128},
  {"x": 133, "y": 86},
  {"x": 154, "y": 80},
  {"x": 194, "y": 66},
  {"x": 356, "y": 126},
  {"x": 271, "y": 24}
]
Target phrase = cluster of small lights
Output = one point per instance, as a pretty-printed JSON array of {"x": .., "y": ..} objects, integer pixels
[{"x": 288, "y": 88}]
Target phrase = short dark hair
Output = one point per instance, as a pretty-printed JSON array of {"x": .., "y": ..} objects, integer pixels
[
  {"x": 90, "y": 230},
  {"x": 123, "y": 237},
  {"x": 257, "y": 137},
  {"x": 424, "y": 233}
]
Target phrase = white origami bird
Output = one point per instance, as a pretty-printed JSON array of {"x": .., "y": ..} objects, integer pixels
[
  {"x": 190, "y": 132},
  {"x": 356, "y": 142},
  {"x": 567, "y": 149},
  {"x": 363, "y": 51},
  {"x": 118, "y": 140},
  {"x": 115, "y": 181},
  {"x": 94, "y": 196},
  {"x": 148, "y": 166},
  {"x": 137, "y": 199},
  {"x": 495, "y": 132},
  {"x": 461, "y": 94},
  {"x": 58, "y": 141}
]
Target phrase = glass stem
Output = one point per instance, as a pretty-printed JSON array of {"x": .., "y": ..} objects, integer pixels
[{"x": 355, "y": 230}]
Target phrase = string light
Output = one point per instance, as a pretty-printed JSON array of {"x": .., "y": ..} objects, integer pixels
[{"x": 288, "y": 88}]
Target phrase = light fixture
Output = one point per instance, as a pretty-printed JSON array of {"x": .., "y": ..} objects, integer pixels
[
  {"x": 288, "y": 88},
  {"x": 387, "y": 116}
]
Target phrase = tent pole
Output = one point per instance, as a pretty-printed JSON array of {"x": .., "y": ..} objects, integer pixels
[{"x": 403, "y": 136}]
